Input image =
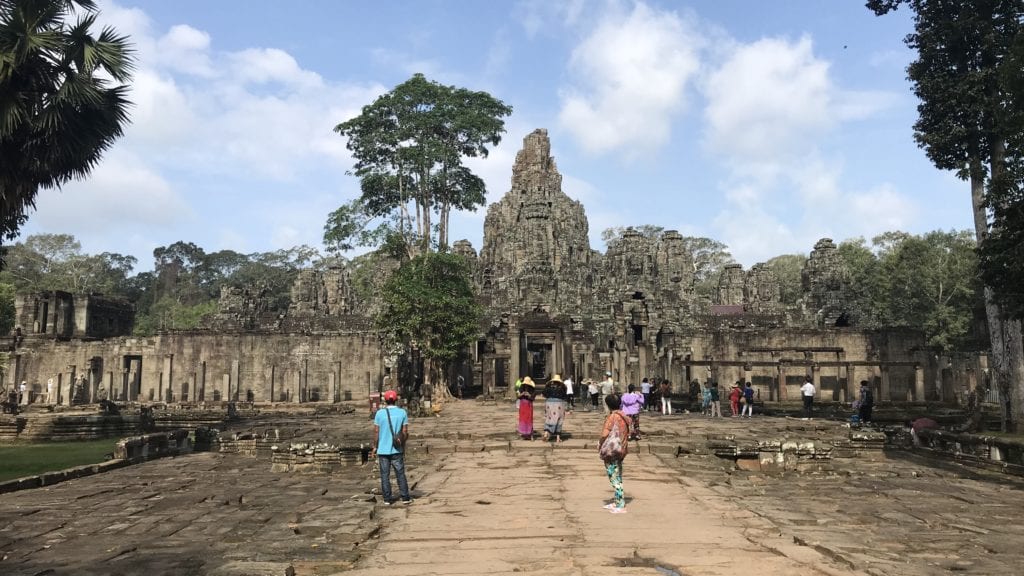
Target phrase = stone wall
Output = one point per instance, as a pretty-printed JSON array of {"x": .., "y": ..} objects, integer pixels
[{"x": 191, "y": 367}]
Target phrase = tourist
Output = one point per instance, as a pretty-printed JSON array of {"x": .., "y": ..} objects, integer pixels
[
  {"x": 665, "y": 391},
  {"x": 716, "y": 404},
  {"x": 391, "y": 425},
  {"x": 554, "y": 408},
  {"x": 524, "y": 406},
  {"x": 613, "y": 447},
  {"x": 705, "y": 399},
  {"x": 607, "y": 389},
  {"x": 734, "y": 399},
  {"x": 570, "y": 396},
  {"x": 593, "y": 392},
  {"x": 748, "y": 401},
  {"x": 807, "y": 393},
  {"x": 631, "y": 403},
  {"x": 919, "y": 424},
  {"x": 645, "y": 389},
  {"x": 865, "y": 402}
]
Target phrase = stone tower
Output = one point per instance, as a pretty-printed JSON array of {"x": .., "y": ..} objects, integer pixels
[{"x": 536, "y": 253}]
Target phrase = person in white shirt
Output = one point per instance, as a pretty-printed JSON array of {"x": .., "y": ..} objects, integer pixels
[
  {"x": 645, "y": 389},
  {"x": 607, "y": 389},
  {"x": 570, "y": 395},
  {"x": 807, "y": 393},
  {"x": 592, "y": 391}
]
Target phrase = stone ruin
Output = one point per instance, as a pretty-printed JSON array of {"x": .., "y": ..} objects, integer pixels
[{"x": 552, "y": 305}]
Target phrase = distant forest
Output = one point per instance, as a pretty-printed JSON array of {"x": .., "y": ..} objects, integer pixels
[{"x": 929, "y": 281}]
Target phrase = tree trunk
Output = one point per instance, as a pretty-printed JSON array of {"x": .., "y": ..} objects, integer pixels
[
  {"x": 438, "y": 384},
  {"x": 1007, "y": 366}
]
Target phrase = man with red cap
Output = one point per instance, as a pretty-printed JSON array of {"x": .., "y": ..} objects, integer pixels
[{"x": 391, "y": 425}]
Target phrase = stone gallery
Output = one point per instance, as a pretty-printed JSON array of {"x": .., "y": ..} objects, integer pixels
[{"x": 553, "y": 305}]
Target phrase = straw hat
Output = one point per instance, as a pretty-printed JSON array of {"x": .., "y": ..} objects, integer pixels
[
  {"x": 528, "y": 382},
  {"x": 556, "y": 378}
]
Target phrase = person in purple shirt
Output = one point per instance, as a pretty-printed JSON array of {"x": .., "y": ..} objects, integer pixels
[{"x": 632, "y": 402}]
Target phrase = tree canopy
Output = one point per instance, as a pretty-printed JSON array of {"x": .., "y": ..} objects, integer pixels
[
  {"x": 409, "y": 145},
  {"x": 62, "y": 99},
  {"x": 966, "y": 76},
  {"x": 928, "y": 281},
  {"x": 428, "y": 305}
]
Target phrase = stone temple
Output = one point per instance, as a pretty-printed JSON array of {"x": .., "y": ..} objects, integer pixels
[{"x": 554, "y": 305}]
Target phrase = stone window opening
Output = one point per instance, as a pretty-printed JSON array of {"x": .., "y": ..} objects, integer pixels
[{"x": 638, "y": 295}]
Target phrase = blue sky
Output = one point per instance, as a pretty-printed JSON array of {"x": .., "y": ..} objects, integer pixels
[{"x": 763, "y": 124}]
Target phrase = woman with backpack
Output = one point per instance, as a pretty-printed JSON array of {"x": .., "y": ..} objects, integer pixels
[{"x": 613, "y": 448}]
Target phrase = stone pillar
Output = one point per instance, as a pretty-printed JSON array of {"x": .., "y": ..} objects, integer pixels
[
  {"x": 816, "y": 380},
  {"x": 919, "y": 394},
  {"x": 513, "y": 360},
  {"x": 297, "y": 387},
  {"x": 72, "y": 375},
  {"x": 236, "y": 380},
  {"x": 225, "y": 387},
  {"x": 201, "y": 393},
  {"x": 192, "y": 390},
  {"x": 852, "y": 384},
  {"x": 886, "y": 392},
  {"x": 273, "y": 384},
  {"x": 168, "y": 373},
  {"x": 333, "y": 383},
  {"x": 782, "y": 395}
]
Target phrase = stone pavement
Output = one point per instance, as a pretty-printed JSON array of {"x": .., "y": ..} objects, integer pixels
[{"x": 488, "y": 503}]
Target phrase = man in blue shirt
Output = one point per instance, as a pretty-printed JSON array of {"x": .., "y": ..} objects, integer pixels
[{"x": 391, "y": 423}]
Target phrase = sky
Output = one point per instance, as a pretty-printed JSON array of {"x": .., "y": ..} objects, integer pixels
[{"x": 766, "y": 125}]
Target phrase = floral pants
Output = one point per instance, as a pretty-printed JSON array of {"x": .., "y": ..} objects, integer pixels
[{"x": 614, "y": 470}]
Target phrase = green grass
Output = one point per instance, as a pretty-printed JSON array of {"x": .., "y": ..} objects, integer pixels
[{"x": 17, "y": 460}]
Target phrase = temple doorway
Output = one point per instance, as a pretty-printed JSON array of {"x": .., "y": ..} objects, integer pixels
[{"x": 538, "y": 361}]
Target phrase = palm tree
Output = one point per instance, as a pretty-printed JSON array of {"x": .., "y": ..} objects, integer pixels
[{"x": 62, "y": 99}]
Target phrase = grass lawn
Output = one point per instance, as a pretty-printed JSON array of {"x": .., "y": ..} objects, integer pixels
[{"x": 17, "y": 460}]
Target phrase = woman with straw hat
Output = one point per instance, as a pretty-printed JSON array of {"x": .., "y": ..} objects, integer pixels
[
  {"x": 554, "y": 408},
  {"x": 525, "y": 408}
]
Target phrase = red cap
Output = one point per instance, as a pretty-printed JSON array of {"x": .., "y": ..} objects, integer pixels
[{"x": 390, "y": 395}]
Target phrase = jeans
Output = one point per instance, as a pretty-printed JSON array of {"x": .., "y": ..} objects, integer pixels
[{"x": 386, "y": 461}]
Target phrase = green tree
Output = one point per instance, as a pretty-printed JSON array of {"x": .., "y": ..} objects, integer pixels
[
  {"x": 62, "y": 99},
  {"x": 409, "y": 145},
  {"x": 428, "y": 305},
  {"x": 966, "y": 117},
  {"x": 56, "y": 262},
  {"x": 709, "y": 259},
  {"x": 614, "y": 234},
  {"x": 787, "y": 269},
  {"x": 6, "y": 308}
]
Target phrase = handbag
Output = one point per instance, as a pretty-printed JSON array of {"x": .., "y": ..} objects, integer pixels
[
  {"x": 397, "y": 439},
  {"x": 613, "y": 448}
]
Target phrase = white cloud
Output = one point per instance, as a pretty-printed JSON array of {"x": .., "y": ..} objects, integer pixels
[
  {"x": 631, "y": 75},
  {"x": 121, "y": 193},
  {"x": 537, "y": 16},
  {"x": 768, "y": 98},
  {"x": 185, "y": 49}
]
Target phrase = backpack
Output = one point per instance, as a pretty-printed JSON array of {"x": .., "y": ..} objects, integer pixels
[{"x": 614, "y": 446}]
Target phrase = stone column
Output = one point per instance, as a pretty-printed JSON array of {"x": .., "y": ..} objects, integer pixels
[
  {"x": 332, "y": 379},
  {"x": 297, "y": 397},
  {"x": 852, "y": 385},
  {"x": 168, "y": 377},
  {"x": 919, "y": 394},
  {"x": 782, "y": 395},
  {"x": 225, "y": 387},
  {"x": 201, "y": 393},
  {"x": 236, "y": 380},
  {"x": 816, "y": 380},
  {"x": 514, "y": 359},
  {"x": 886, "y": 392}
]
